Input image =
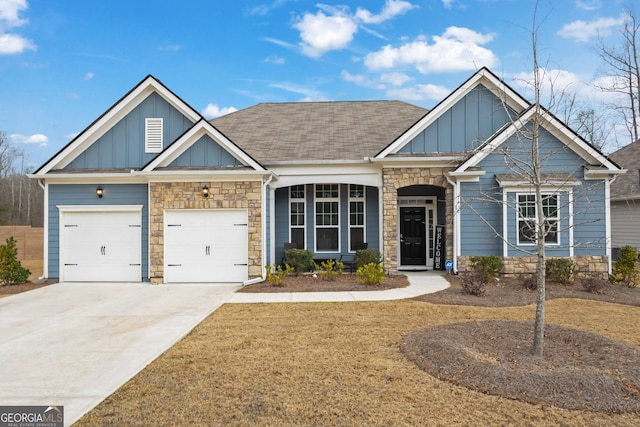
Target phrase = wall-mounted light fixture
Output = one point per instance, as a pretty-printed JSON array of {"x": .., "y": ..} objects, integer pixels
[
  {"x": 99, "y": 192},
  {"x": 205, "y": 191}
]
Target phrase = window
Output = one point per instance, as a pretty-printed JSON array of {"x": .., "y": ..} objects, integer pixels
[
  {"x": 527, "y": 219},
  {"x": 153, "y": 135},
  {"x": 356, "y": 216},
  {"x": 327, "y": 218},
  {"x": 296, "y": 209}
]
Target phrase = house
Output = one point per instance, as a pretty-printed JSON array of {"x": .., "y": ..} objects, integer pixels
[
  {"x": 625, "y": 199},
  {"x": 151, "y": 191}
]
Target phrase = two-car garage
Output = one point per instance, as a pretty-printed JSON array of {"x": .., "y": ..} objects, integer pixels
[{"x": 105, "y": 244}]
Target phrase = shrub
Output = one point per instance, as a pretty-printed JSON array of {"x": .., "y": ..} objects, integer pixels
[
  {"x": 300, "y": 260},
  {"x": 530, "y": 282},
  {"x": 560, "y": 270},
  {"x": 367, "y": 256},
  {"x": 490, "y": 264},
  {"x": 474, "y": 281},
  {"x": 276, "y": 274},
  {"x": 625, "y": 271},
  {"x": 370, "y": 274},
  {"x": 11, "y": 271},
  {"x": 593, "y": 284},
  {"x": 330, "y": 269}
]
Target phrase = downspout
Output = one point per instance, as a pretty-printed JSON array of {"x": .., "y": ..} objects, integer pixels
[
  {"x": 456, "y": 219},
  {"x": 45, "y": 240},
  {"x": 607, "y": 207},
  {"x": 263, "y": 275}
]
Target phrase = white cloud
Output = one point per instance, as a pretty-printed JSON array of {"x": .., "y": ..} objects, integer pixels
[
  {"x": 89, "y": 76},
  {"x": 448, "y": 3},
  {"x": 171, "y": 47},
  {"x": 582, "y": 31},
  {"x": 360, "y": 80},
  {"x": 588, "y": 5},
  {"x": 395, "y": 79},
  {"x": 11, "y": 43},
  {"x": 391, "y": 9},
  {"x": 71, "y": 136},
  {"x": 278, "y": 42},
  {"x": 309, "y": 94},
  {"x": 212, "y": 111},
  {"x": 38, "y": 138},
  {"x": 274, "y": 59},
  {"x": 419, "y": 93},
  {"x": 458, "y": 49},
  {"x": 321, "y": 33}
]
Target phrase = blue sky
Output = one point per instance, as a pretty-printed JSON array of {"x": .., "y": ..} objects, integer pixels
[{"x": 64, "y": 62}]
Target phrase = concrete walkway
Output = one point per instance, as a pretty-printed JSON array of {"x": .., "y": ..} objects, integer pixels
[
  {"x": 74, "y": 344},
  {"x": 420, "y": 283}
]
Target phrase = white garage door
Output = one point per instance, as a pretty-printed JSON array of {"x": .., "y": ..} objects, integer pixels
[
  {"x": 101, "y": 246},
  {"x": 205, "y": 246}
]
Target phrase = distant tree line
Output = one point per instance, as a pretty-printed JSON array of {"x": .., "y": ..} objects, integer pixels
[{"x": 21, "y": 198}]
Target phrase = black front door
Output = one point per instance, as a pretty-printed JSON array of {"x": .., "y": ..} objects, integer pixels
[{"x": 412, "y": 236}]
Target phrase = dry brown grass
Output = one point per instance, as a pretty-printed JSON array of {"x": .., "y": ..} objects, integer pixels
[{"x": 338, "y": 364}]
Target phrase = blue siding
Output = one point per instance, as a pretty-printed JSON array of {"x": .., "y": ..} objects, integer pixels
[
  {"x": 123, "y": 145},
  {"x": 85, "y": 194},
  {"x": 205, "y": 153},
  {"x": 463, "y": 127},
  {"x": 372, "y": 224},
  {"x": 482, "y": 202}
]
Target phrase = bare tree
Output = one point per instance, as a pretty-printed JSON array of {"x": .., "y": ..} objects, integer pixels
[{"x": 621, "y": 67}]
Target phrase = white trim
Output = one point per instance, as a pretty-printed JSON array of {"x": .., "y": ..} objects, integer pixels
[
  {"x": 304, "y": 215},
  {"x": 558, "y": 195},
  {"x": 484, "y": 77},
  {"x": 190, "y": 137},
  {"x": 112, "y": 117},
  {"x": 362, "y": 199},
  {"x": 571, "y": 241},
  {"x": 45, "y": 249},
  {"x": 505, "y": 224},
  {"x": 607, "y": 214},
  {"x": 315, "y": 214},
  {"x": 272, "y": 225}
]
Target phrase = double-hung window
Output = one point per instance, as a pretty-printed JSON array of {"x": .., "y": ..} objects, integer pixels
[
  {"x": 327, "y": 204},
  {"x": 297, "y": 220},
  {"x": 356, "y": 216},
  {"x": 528, "y": 220}
]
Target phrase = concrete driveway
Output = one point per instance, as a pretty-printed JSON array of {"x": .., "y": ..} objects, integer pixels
[{"x": 73, "y": 344}]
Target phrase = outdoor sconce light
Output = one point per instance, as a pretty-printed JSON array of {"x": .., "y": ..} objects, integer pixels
[
  {"x": 205, "y": 191},
  {"x": 99, "y": 192}
]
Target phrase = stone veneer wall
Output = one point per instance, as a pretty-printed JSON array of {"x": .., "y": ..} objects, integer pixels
[
  {"x": 513, "y": 266},
  {"x": 395, "y": 178},
  {"x": 188, "y": 195}
]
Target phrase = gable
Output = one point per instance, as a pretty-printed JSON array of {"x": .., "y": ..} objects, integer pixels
[
  {"x": 123, "y": 146},
  {"x": 205, "y": 152},
  {"x": 464, "y": 126}
]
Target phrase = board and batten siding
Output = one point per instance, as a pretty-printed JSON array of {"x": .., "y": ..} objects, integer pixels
[
  {"x": 85, "y": 195},
  {"x": 481, "y": 202},
  {"x": 625, "y": 223},
  {"x": 463, "y": 127},
  {"x": 123, "y": 146},
  {"x": 205, "y": 153}
]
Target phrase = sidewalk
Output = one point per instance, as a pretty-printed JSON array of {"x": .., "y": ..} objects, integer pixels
[{"x": 420, "y": 283}]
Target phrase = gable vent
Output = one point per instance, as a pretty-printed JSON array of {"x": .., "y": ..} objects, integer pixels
[{"x": 153, "y": 135}]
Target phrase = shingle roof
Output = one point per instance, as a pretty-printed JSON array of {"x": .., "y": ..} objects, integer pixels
[
  {"x": 627, "y": 185},
  {"x": 347, "y": 130}
]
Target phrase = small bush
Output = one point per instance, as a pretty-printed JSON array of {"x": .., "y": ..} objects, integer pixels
[
  {"x": 593, "y": 284},
  {"x": 625, "y": 271},
  {"x": 490, "y": 264},
  {"x": 530, "y": 282},
  {"x": 474, "y": 281},
  {"x": 560, "y": 270},
  {"x": 330, "y": 270},
  {"x": 371, "y": 274},
  {"x": 300, "y": 260},
  {"x": 11, "y": 271},
  {"x": 276, "y": 274},
  {"x": 367, "y": 256}
]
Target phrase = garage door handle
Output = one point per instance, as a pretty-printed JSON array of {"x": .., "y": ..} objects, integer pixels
[
  {"x": 70, "y": 264},
  {"x": 103, "y": 250},
  {"x": 237, "y": 265},
  {"x": 240, "y": 225},
  {"x": 207, "y": 250},
  {"x": 133, "y": 265},
  {"x": 174, "y": 265}
]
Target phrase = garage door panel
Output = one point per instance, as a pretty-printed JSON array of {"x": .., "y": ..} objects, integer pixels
[
  {"x": 206, "y": 246},
  {"x": 101, "y": 246}
]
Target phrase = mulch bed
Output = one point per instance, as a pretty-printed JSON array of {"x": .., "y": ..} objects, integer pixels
[
  {"x": 24, "y": 287},
  {"x": 579, "y": 371},
  {"x": 309, "y": 283}
]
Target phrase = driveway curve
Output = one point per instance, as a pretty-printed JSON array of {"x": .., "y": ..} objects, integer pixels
[{"x": 73, "y": 344}]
